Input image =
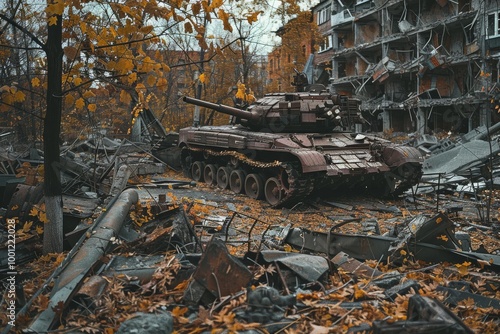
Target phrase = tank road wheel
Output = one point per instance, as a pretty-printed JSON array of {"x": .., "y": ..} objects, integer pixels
[
  {"x": 237, "y": 181},
  {"x": 210, "y": 174},
  {"x": 223, "y": 177},
  {"x": 197, "y": 170},
  {"x": 274, "y": 191},
  {"x": 234, "y": 162},
  {"x": 254, "y": 186}
]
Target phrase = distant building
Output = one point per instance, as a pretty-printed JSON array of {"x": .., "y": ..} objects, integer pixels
[
  {"x": 260, "y": 72},
  {"x": 274, "y": 68},
  {"x": 290, "y": 55}
]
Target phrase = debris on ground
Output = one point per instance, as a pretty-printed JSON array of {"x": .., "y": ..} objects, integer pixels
[{"x": 147, "y": 250}]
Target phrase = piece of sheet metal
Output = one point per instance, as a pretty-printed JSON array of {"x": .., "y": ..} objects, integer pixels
[
  {"x": 309, "y": 267},
  {"x": 216, "y": 265}
]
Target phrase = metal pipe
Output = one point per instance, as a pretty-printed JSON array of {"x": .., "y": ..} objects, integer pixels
[
  {"x": 107, "y": 225},
  {"x": 97, "y": 244},
  {"x": 59, "y": 269}
]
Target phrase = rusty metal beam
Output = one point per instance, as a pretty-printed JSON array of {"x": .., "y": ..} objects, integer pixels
[
  {"x": 377, "y": 247},
  {"x": 91, "y": 251},
  {"x": 219, "y": 272},
  {"x": 98, "y": 243}
]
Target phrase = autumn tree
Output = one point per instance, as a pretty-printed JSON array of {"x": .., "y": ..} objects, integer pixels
[
  {"x": 230, "y": 76},
  {"x": 87, "y": 45},
  {"x": 20, "y": 104},
  {"x": 247, "y": 49},
  {"x": 219, "y": 69}
]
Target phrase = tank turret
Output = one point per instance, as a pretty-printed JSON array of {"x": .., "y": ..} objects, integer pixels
[{"x": 311, "y": 111}]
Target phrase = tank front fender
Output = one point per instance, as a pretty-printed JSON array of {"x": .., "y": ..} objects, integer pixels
[
  {"x": 311, "y": 161},
  {"x": 395, "y": 156}
]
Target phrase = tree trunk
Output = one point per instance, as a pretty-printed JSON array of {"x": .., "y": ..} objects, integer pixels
[{"x": 53, "y": 230}]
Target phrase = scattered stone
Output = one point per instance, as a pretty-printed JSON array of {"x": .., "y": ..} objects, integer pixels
[{"x": 146, "y": 323}]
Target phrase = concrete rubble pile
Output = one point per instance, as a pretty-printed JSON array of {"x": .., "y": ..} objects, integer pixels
[
  {"x": 93, "y": 171},
  {"x": 466, "y": 164}
]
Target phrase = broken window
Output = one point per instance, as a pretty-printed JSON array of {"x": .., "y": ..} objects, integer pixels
[
  {"x": 326, "y": 43},
  {"x": 493, "y": 25},
  {"x": 340, "y": 12}
]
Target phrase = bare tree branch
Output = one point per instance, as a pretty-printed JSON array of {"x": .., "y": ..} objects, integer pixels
[{"x": 24, "y": 30}]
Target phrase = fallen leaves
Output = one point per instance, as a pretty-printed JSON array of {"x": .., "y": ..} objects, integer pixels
[
  {"x": 463, "y": 268},
  {"x": 320, "y": 310}
]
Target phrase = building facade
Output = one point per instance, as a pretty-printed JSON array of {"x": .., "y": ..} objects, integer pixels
[
  {"x": 322, "y": 64},
  {"x": 417, "y": 65}
]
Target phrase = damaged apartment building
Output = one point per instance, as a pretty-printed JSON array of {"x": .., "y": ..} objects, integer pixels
[{"x": 422, "y": 66}]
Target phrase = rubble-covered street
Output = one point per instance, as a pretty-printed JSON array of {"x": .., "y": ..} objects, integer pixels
[{"x": 149, "y": 250}]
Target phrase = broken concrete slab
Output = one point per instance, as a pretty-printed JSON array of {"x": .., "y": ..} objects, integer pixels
[
  {"x": 461, "y": 158},
  {"x": 308, "y": 267}
]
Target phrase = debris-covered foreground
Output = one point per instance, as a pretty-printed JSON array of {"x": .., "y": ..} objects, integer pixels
[
  {"x": 150, "y": 251},
  {"x": 201, "y": 259}
]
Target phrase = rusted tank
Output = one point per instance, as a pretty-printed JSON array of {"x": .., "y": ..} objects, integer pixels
[{"x": 287, "y": 145}]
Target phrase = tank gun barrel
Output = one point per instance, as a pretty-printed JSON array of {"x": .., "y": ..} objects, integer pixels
[{"x": 242, "y": 114}]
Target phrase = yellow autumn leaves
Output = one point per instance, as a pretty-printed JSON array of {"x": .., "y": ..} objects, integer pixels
[
  {"x": 119, "y": 50},
  {"x": 11, "y": 94},
  {"x": 242, "y": 93},
  {"x": 27, "y": 230},
  {"x": 54, "y": 8}
]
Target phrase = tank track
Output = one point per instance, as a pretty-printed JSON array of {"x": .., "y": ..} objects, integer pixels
[{"x": 298, "y": 185}]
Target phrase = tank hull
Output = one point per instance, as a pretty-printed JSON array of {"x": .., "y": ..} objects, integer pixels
[{"x": 284, "y": 168}]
